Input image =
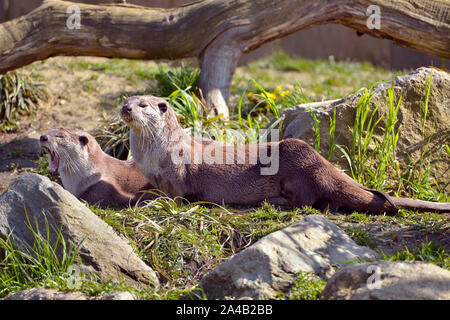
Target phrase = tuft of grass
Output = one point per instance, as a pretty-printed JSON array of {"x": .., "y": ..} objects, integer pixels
[
  {"x": 427, "y": 252},
  {"x": 113, "y": 136},
  {"x": 308, "y": 286},
  {"x": 361, "y": 237},
  {"x": 375, "y": 164},
  {"x": 184, "y": 77},
  {"x": 43, "y": 264},
  {"x": 19, "y": 96}
]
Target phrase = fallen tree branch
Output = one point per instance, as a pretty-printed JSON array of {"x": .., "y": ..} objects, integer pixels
[{"x": 215, "y": 31}]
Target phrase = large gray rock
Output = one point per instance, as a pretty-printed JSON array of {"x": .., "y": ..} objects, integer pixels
[
  {"x": 384, "y": 280},
  {"x": 271, "y": 265},
  {"x": 412, "y": 90},
  {"x": 36, "y": 199},
  {"x": 52, "y": 294}
]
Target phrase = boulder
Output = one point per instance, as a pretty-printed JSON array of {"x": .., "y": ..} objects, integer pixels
[
  {"x": 384, "y": 280},
  {"x": 412, "y": 89},
  {"x": 34, "y": 199},
  {"x": 53, "y": 294},
  {"x": 271, "y": 265}
]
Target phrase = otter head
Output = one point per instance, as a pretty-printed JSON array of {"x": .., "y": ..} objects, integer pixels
[
  {"x": 68, "y": 149},
  {"x": 148, "y": 114}
]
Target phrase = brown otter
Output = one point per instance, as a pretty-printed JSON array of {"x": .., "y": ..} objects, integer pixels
[
  {"x": 89, "y": 173},
  {"x": 171, "y": 160}
]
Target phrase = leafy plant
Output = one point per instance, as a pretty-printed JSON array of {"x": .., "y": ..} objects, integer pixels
[
  {"x": 18, "y": 96},
  {"x": 184, "y": 77}
]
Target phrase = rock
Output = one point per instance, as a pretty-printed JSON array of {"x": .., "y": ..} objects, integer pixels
[
  {"x": 412, "y": 90},
  {"x": 271, "y": 265},
  {"x": 102, "y": 251},
  {"x": 46, "y": 294},
  {"x": 384, "y": 280},
  {"x": 53, "y": 294},
  {"x": 120, "y": 295}
]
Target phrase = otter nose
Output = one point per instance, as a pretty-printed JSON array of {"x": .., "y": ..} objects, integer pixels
[
  {"x": 43, "y": 138},
  {"x": 126, "y": 109}
]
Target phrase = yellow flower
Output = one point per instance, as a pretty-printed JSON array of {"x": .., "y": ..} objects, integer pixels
[
  {"x": 278, "y": 89},
  {"x": 250, "y": 94},
  {"x": 271, "y": 95},
  {"x": 284, "y": 93}
]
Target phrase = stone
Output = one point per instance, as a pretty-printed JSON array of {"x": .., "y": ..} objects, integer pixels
[
  {"x": 53, "y": 294},
  {"x": 411, "y": 88},
  {"x": 120, "y": 295},
  {"x": 271, "y": 265},
  {"x": 385, "y": 280},
  {"x": 36, "y": 199},
  {"x": 46, "y": 294}
]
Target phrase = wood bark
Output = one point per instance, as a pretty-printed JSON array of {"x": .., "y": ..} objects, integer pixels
[{"x": 217, "y": 32}]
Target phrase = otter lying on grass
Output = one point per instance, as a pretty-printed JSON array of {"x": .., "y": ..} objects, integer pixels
[{"x": 181, "y": 165}]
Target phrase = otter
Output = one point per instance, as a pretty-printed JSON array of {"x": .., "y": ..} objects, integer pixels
[
  {"x": 169, "y": 159},
  {"x": 89, "y": 173}
]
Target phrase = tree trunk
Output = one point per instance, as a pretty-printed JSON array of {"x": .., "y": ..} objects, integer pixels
[{"x": 215, "y": 31}]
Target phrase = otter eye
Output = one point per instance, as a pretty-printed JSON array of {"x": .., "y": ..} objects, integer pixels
[
  {"x": 163, "y": 106},
  {"x": 143, "y": 104},
  {"x": 83, "y": 140}
]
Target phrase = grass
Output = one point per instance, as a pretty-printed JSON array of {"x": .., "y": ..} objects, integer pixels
[
  {"x": 133, "y": 70},
  {"x": 184, "y": 77},
  {"x": 19, "y": 96},
  {"x": 113, "y": 136},
  {"x": 361, "y": 237},
  {"x": 374, "y": 162},
  {"x": 427, "y": 252},
  {"x": 318, "y": 79},
  {"x": 42, "y": 264},
  {"x": 183, "y": 242},
  {"x": 308, "y": 286}
]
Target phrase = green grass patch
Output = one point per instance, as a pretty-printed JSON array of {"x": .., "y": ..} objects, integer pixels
[
  {"x": 427, "y": 252},
  {"x": 184, "y": 77},
  {"x": 43, "y": 264},
  {"x": 184, "y": 241},
  {"x": 308, "y": 286},
  {"x": 133, "y": 70},
  {"x": 19, "y": 96},
  {"x": 361, "y": 237}
]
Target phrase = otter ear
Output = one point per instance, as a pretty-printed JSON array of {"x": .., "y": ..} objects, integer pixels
[
  {"x": 163, "y": 106},
  {"x": 83, "y": 140}
]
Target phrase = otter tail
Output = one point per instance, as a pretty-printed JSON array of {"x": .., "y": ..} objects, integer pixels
[
  {"x": 395, "y": 203},
  {"x": 420, "y": 205}
]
